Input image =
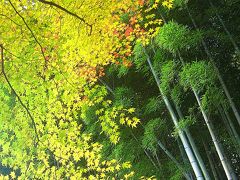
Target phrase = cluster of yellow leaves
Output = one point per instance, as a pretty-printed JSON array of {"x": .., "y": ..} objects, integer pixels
[
  {"x": 111, "y": 117},
  {"x": 62, "y": 147},
  {"x": 168, "y": 4}
]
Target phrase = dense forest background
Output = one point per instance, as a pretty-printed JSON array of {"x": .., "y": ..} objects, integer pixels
[{"x": 120, "y": 89}]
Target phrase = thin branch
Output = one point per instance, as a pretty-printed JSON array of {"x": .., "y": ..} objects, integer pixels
[
  {"x": 33, "y": 35},
  {"x": 15, "y": 55},
  {"x": 68, "y": 12},
  {"x": 18, "y": 97},
  {"x": 10, "y": 19},
  {"x": 25, "y": 60}
]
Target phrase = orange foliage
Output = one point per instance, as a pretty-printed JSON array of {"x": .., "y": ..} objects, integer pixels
[
  {"x": 128, "y": 31},
  {"x": 141, "y": 2}
]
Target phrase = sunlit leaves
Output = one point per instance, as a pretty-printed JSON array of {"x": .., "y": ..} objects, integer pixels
[
  {"x": 168, "y": 3},
  {"x": 112, "y": 117}
]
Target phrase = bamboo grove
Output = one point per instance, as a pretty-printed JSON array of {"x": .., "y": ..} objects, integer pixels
[{"x": 120, "y": 89}]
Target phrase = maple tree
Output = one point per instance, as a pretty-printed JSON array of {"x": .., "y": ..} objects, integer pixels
[{"x": 51, "y": 60}]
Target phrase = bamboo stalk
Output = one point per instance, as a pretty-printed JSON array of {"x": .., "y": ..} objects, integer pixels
[
  {"x": 231, "y": 102},
  {"x": 210, "y": 161},
  {"x": 184, "y": 140},
  {"x": 194, "y": 147}
]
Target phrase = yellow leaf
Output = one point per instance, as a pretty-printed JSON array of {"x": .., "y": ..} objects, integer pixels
[
  {"x": 131, "y": 110},
  {"x": 13, "y": 175}
]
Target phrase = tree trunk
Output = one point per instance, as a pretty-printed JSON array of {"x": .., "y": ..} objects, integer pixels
[
  {"x": 231, "y": 130},
  {"x": 225, "y": 121},
  {"x": 186, "y": 145},
  {"x": 227, "y": 168},
  {"x": 232, "y": 126},
  {"x": 174, "y": 160},
  {"x": 225, "y": 28},
  {"x": 158, "y": 161},
  {"x": 184, "y": 156},
  {"x": 232, "y": 104},
  {"x": 210, "y": 161},
  {"x": 194, "y": 147}
]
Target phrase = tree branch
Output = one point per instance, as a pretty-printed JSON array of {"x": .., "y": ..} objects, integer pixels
[
  {"x": 33, "y": 35},
  {"x": 68, "y": 12},
  {"x": 10, "y": 19},
  {"x": 18, "y": 97}
]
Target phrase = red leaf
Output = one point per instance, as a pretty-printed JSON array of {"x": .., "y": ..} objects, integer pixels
[
  {"x": 128, "y": 31},
  {"x": 141, "y": 2}
]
